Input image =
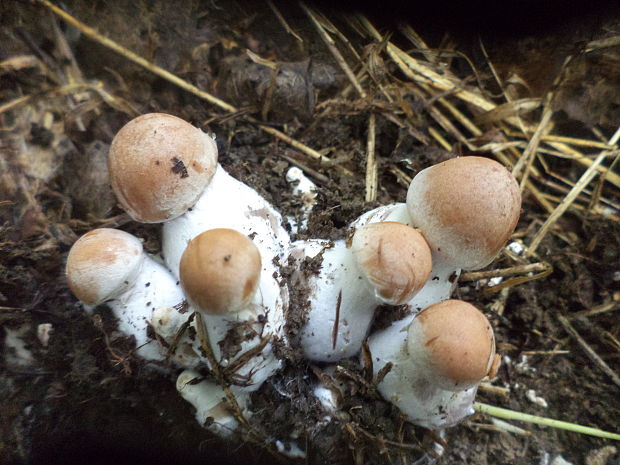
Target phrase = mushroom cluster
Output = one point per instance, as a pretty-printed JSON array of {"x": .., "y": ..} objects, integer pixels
[{"x": 214, "y": 306}]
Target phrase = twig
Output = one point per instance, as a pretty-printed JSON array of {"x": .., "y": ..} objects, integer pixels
[
  {"x": 546, "y": 352},
  {"x": 585, "y": 179},
  {"x": 518, "y": 416},
  {"x": 336, "y": 320},
  {"x": 513, "y": 270},
  {"x": 236, "y": 364},
  {"x": 205, "y": 344},
  {"x": 589, "y": 351},
  {"x": 608, "y": 307},
  {"x": 382, "y": 441},
  {"x": 487, "y": 387},
  {"x": 285, "y": 25},
  {"x": 499, "y": 426},
  {"x": 371, "y": 162},
  {"x": 331, "y": 45},
  {"x": 517, "y": 280},
  {"x": 178, "y": 335},
  {"x": 527, "y": 159}
]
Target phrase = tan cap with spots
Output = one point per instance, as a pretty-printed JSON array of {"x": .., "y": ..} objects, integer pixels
[
  {"x": 159, "y": 165},
  {"x": 220, "y": 271}
]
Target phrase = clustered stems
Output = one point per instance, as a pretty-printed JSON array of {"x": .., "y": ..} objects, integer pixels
[{"x": 223, "y": 245}]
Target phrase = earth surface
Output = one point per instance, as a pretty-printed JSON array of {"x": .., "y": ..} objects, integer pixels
[{"x": 85, "y": 398}]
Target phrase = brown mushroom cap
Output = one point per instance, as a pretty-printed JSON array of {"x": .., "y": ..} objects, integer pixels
[
  {"x": 102, "y": 264},
  {"x": 159, "y": 165},
  {"x": 454, "y": 342},
  {"x": 466, "y": 208},
  {"x": 220, "y": 270},
  {"x": 394, "y": 258}
]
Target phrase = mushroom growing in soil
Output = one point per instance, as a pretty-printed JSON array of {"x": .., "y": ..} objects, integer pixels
[
  {"x": 221, "y": 274},
  {"x": 385, "y": 263},
  {"x": 228, "y": 203},
  {"x": 466, "y": 208},
  {"x": 109, "y": 265},
  {"x": 163, "y": 169},
  {"x": 209, "y": 400},
  {"x": 438, "y": 361}
]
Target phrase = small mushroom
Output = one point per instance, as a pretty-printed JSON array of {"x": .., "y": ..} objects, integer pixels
[
  {"x": 386, "y": 263},
  {"x": 438, "y": 361},
  {"x": 220, "y": 271},
  {"x": 210, "y": 403},
  {"x": 109, "y": 265},
  {"x": 223, "y": 279},
  {"x": 443, "y": 277},
  {"x": 159, "y": 165}
]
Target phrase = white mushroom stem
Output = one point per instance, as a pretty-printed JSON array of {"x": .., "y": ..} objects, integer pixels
[
  {"x": 210, "y": 402},
  {"x": 228, "y": 203},
  {"x": 109, "y": 265},
  {"x": 438, "y": 360},
  {"x": 341, "y": 304},
  {"x": 391, "y": 212},
  {"x": 385, "y": 263},
  {"x": 306, "y": 189},
  {"x": 153, "y": 288},
  {"x": 167, "y": 322}
]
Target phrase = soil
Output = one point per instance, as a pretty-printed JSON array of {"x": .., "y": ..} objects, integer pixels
[{"x": 87, "y": 399}]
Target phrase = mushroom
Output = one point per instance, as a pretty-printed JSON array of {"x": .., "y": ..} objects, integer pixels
[
  {"x": 385, "y": 263},
  {"x": 443, "y": 277},
  {"x": 438, "y": 361},
  {"x": 159, "y": 165},
  {"x": 466, "y": 208},
  {"x": 228, "y": 203},
  {"x": 223, "y": 279},
  {"x": 109, "y": 265},
  {"x": 209, "y": 400}
]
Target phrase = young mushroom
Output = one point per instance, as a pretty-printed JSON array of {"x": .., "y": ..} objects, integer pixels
[
  {"x": 466, "y": 208},
  {"x": 221, "y": 274},
  {"x": 443, "y": 276},
  {"x": 159, "y": 166},
  {"x": 385, "y": 263},
  {"x": 438, "y": 361},
  {"x": 109, "y": 265},
  {"x": 209, "y": 400}
]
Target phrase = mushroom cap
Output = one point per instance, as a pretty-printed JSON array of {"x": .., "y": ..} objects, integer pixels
[
  {"x": 394, "y": 258},
  {"x": 220, "y": 271},
  {"x": 102, "y": 264},
  {"x": 453, "y": 342},
  {"x": 466, "y": 208},
  {"x": 159, "y": 165}
]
